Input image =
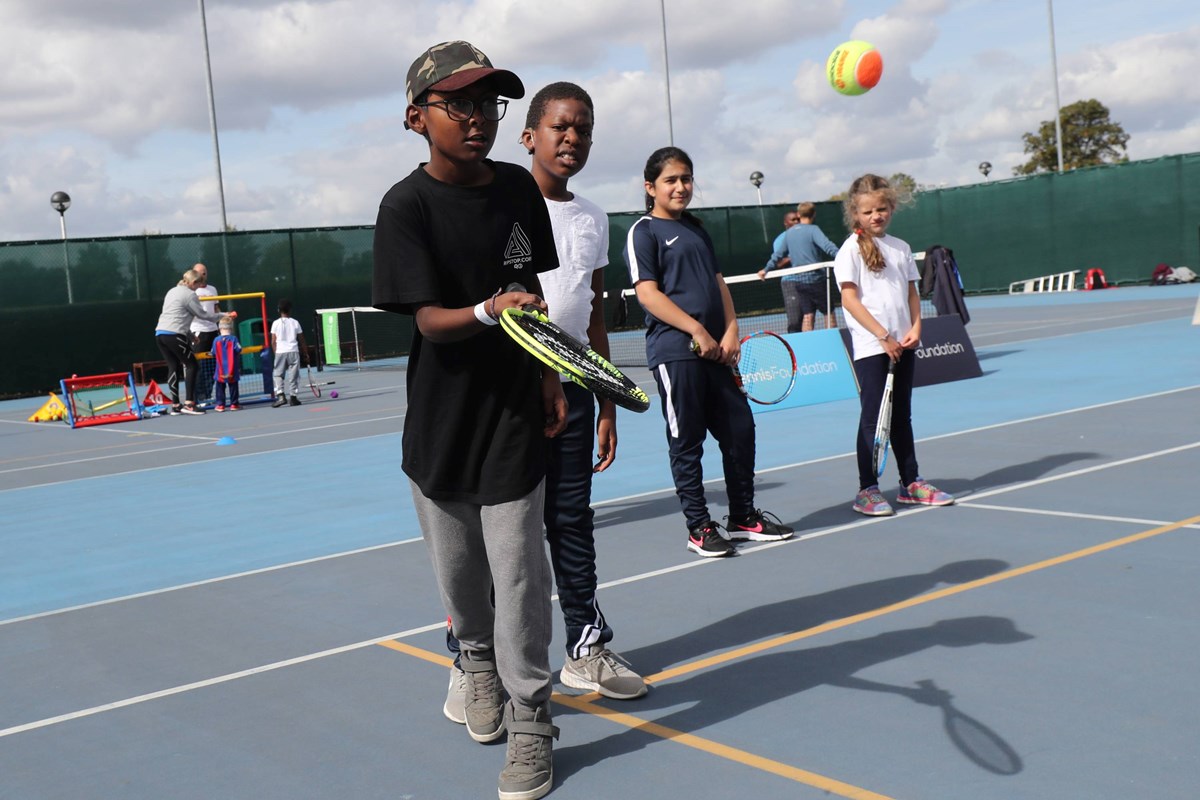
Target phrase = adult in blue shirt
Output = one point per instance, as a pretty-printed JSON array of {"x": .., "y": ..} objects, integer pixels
[{"x": 804, "y": 293}]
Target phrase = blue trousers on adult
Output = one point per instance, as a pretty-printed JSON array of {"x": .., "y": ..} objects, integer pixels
[
  {"x": 700, "y": 397},
  {"x": 872, "y": 375},
  {"x": 570, "y": 531}
]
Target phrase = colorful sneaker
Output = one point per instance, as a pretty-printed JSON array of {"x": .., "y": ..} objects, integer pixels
[
  {"x": 870, "y": 501},
  {"x": 605, "y": 672},
  {"x": 455, "y": 707},
  {"x": 922, "y": 493},
  {"x": 235, "y": 407},
  {"x": 529, "y": 764},
  {"x": 484, "y": 707},
  {"x": 706, "y": 540},
  {"x": 219, "y": 409},
  {"x": 756, "y": 527}
]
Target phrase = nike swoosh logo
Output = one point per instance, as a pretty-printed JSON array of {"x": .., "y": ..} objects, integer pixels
[
  {"x": 756, "y": 529},
  {"x": 671, "y": 241}
]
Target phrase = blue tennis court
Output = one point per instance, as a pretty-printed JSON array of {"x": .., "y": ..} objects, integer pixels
[{"x": 187, "y": 619}]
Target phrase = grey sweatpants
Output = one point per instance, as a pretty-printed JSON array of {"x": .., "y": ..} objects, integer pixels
[
  {"x": 287, "y": 368},
  {"x": 474, "y": 547}
]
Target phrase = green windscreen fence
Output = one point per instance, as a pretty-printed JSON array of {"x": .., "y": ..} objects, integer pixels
[{"x": 90, "y": 305}]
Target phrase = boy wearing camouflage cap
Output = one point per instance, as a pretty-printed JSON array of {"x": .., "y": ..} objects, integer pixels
[{"x": 448, "y": 239}]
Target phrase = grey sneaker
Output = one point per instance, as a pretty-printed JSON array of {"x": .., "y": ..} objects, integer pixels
[
  {"x": 528, "y": 768},
  {"x": 605, "y": 672},
  {"x": 455, "y": 708},
  {"x": 484, "y": 708}
]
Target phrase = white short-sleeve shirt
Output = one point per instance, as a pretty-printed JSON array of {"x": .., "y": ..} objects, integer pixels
[{"x": 885, "y": 293}]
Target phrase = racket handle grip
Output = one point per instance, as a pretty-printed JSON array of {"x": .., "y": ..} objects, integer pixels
[{"x": 516, "y": 287}]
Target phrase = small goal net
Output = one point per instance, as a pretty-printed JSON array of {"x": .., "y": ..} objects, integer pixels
[{"x": 360, "y": 336}]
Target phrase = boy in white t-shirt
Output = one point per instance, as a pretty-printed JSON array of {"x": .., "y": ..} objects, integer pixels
[{"x": 287, "y": 343}]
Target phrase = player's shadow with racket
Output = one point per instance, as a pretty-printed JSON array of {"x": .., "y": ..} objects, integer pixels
[
  {"x": 709, "y": 697},
  {"x": 800, "y": 613},
  {"x": 979, "y": 743}
]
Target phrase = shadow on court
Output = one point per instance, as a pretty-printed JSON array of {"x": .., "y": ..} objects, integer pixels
[
  {"x": 800, "y": 613},
  {"x": 667, "y": 505},
  {"x": 1015, "y": 473},
  {"x": 726, "y": 692}
]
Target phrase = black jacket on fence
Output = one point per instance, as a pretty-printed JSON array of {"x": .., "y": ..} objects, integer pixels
[{"x": 940, "y": 278}]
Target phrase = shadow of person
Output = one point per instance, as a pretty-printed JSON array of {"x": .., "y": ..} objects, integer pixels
[
  {"x": 638, "y": 510},
  {"x": 799, "y": 613},
  {"x": 711, "y": 696},
  {"x": 1013, "y": 473}
]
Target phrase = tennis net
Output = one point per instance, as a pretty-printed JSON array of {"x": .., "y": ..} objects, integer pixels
[{"x": 759, "y": 302}]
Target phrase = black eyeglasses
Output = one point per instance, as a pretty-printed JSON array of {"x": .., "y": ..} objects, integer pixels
[{"x": 460, "y": 109}]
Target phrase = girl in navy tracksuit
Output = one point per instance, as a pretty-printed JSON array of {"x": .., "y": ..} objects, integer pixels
[{"x": 691, "y": 340}]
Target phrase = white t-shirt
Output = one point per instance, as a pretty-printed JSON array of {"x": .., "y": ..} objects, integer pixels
[
  {"x": 202, "y": 325},
  {"x": 286, "y": 331},
  {"x": 581, "y": 239},
  {"x": 885, "y": 293}
]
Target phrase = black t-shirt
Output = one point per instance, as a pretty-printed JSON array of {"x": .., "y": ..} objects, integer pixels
[{"x": 473, "y": 430}]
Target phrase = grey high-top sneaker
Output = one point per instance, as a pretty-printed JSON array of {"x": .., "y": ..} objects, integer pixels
[
  {"x": 528, "y": 768},
  {"x": 485, "y": 698}
]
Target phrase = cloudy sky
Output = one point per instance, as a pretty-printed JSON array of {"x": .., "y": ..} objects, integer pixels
[{"x": 106, "y": 99}]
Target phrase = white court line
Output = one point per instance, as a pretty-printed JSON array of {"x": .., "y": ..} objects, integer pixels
[
  {"x": 597, "y": 504},
  {"x": 188, "y": 687},
  {"x": 1075, "y": 515},
  {"x": 631, "y": 579},
  {"x": 1063, "y": 335},
  {"x": 207, "y": 581},
  {"x": 190, "y": 465}
]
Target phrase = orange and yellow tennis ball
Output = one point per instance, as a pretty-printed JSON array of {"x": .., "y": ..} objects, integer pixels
[{"x": 854, "y": 67}]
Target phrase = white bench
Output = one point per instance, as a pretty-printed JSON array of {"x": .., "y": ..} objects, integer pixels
[{"x": 1060, "y": 282}]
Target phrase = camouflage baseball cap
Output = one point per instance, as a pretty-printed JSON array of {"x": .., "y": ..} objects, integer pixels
[{"x": 450, "y": 66}]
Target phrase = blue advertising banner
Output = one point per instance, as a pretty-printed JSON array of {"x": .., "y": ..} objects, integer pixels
[{"x": 823, "y": 371}]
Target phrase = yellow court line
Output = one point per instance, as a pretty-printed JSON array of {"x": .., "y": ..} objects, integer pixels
[
  {"x": 582, "y": 703},
  {"x": 419, "y": 652},
  {"x": 585, "y": 702},
  {"x": 714, "y": 748}
]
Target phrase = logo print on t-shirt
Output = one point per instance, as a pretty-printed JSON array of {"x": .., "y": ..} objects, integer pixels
[
  {"x": 671, "y": 241},
  {"x": 518, "y": 252}
]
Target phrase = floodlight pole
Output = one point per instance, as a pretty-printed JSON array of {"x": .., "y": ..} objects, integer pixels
[
  {"x": 60, "y": 202},
  {"x": 212, "y": 120},
  {"x": 1054, "y": 72},
  {"x": 662, "y": 7},
  {"x": 756, "y": 178}
]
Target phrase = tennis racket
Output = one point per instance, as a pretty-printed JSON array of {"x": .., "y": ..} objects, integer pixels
[
  {"x": 562, "y": 352},
  {"x": 315, "y": 386},
  {"x": 766, "y": 369},
  {"x": 883, "y": 426}
]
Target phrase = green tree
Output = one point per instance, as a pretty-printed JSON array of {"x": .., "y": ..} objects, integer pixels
[
  {"x": 903, "y": 183},
  {"x": 1089, "y": 138}
]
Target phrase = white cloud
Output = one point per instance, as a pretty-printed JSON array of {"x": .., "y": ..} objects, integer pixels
[{"x": 107, "y": 101}]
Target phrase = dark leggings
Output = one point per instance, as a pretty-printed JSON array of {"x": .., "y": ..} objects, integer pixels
[
  {"x": 177, "y": 352},
  {"x": 872, "y": 374}
]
